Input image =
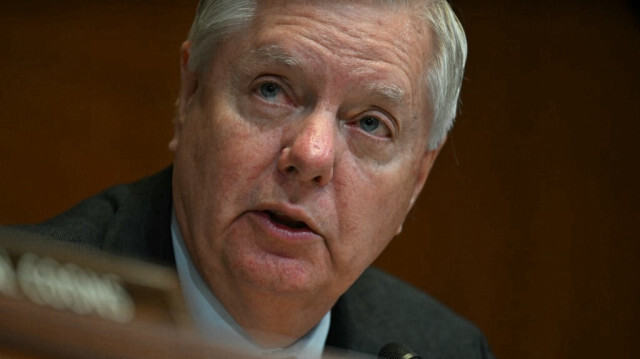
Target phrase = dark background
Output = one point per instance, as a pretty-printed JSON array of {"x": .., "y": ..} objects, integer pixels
[{"x": 529, "y": 222}]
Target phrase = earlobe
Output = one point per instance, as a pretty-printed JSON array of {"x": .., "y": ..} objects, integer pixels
[{"x": 188, "y": 86}]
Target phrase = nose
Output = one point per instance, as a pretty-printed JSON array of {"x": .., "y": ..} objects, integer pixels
[{"x": 308, "y": 153}]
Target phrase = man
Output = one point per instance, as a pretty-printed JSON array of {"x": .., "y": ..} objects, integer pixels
[{"x": 305, "y": 132}]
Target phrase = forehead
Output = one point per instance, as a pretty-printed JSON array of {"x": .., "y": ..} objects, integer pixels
[
  {"x": 359, "y": 29},
  {"x": 390, "y": 46}
]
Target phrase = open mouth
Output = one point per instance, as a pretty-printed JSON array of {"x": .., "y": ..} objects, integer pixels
[{"x": 286, "y": 221}]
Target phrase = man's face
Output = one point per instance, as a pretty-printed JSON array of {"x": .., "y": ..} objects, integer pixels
[{"x": 301, "y": 149}]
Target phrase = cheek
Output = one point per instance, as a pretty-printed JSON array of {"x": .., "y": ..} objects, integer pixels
[
  {"x": 218, "y": 167},
  {"x": 227, "y": 149},
  {"x": 209, "y": 165},
  {"x": 371, "y": 206}
]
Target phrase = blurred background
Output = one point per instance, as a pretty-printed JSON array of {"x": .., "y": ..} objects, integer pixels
[{"x": 529, "y": 223}]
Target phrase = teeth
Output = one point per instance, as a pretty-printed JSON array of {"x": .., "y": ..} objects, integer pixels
[{"x": 289, "y": 222}]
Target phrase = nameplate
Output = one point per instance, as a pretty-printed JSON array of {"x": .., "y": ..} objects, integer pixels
[{"x": 58, "y": 299}]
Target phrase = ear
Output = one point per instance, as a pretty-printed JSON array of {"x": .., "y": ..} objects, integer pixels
[
  {"x": 424, "y": 168},
  {"x": 188, "y": 86}
]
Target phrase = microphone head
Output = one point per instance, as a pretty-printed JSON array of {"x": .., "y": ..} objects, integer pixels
[{"x": 395, "y": 350}]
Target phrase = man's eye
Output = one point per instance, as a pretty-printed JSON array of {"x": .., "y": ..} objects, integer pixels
[
  {"x": 369, "y": 124},
  {"x": 374, "y": 126},
  {"x": 269, "y": 90}
]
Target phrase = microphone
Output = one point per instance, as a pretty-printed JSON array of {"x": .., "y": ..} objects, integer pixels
[{"x": 395, "y": 350}]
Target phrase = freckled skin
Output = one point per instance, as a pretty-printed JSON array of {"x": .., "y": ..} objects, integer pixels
[{"x": 239, "y": 152}]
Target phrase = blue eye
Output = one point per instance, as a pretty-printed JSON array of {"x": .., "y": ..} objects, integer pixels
[
  {"x": 269, "y": 90},
  {"x": 369, "y": 124}
]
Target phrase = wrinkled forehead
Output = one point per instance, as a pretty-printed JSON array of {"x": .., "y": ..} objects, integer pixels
[
  {"x": 354, "y": 17},
  {"x": 363, "y": 36},
  {"x": 351, "y": 17}
]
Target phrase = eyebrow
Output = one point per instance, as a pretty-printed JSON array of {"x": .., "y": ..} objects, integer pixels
[
  {"x": 279, "y": 56},
  {"x": 390, "y": 92},
  {"x": 276, "y": 54},
  {"x": 272, "y": 54}
]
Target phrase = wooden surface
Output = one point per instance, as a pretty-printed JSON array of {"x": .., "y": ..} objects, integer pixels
[{"x": 528, "y": 225}]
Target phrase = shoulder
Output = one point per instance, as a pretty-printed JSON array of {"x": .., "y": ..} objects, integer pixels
[
  {"x": 122, "y": 219},
  {"x": 380, "y": 308}
]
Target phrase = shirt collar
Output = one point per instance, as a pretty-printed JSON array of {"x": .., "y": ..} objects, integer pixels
[{"x": 214, "y": 322}]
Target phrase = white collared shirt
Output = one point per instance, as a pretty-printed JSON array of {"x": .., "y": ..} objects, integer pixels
[{"x": 214, "y": 322}]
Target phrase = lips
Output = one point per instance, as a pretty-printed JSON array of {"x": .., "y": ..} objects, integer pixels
[{"x": 286, "y": 221}]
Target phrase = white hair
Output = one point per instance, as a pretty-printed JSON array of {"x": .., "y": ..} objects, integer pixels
[{"x": 216, "y": 20}]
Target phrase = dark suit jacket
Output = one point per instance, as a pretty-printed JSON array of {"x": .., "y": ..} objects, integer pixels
[{"x": 133, "y": 220}]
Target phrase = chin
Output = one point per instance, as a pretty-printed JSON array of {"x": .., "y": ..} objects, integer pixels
[{"x": 279, "y": 275}]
